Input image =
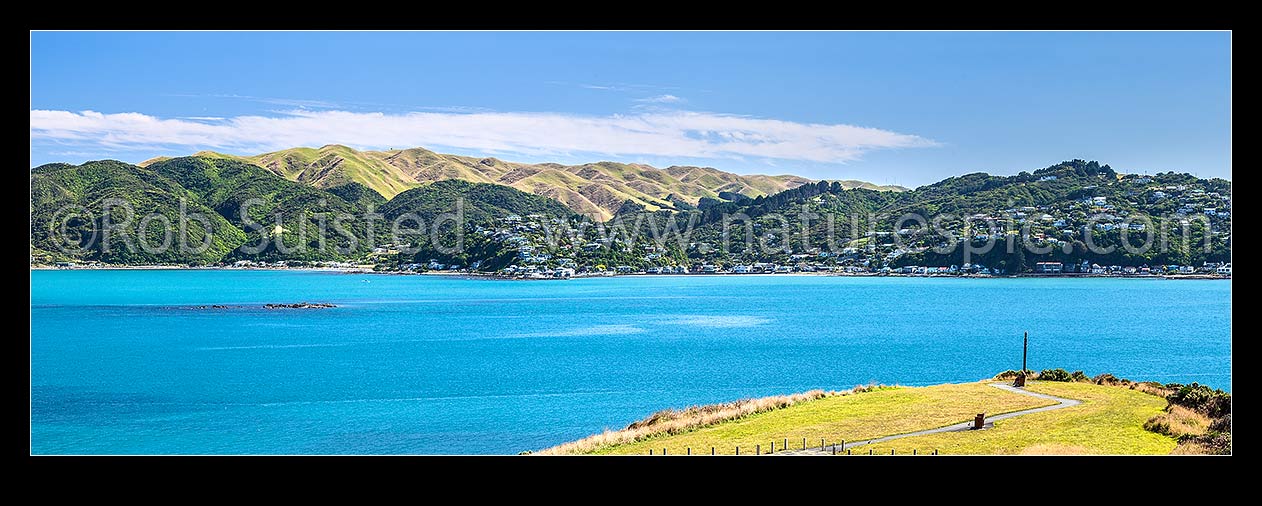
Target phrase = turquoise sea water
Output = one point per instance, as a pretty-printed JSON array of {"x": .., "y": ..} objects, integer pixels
[{"x": 120, "y": 363}]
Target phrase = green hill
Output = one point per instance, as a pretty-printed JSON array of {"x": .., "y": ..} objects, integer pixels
[
  {"x": 358, "y": 195},
  {"x": 1062, "y": 209},
  {"x": 479, "y": 205},
  {"x": 287, "y": 215},
  {"x": 56, "y": 189},
  {"x": 1060, "y": 205},
  {"x": 480, "y": 202},
  {"x": 283, "y": 220}
]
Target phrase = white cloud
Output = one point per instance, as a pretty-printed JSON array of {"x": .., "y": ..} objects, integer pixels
[
  {"x": 661, "y": 99},
  {"x": 664, "y": 134}
]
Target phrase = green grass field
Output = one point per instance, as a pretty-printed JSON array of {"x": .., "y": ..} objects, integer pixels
[
  {"x": 1109, "y": 421},
  {"x": 851, "y": 417}
]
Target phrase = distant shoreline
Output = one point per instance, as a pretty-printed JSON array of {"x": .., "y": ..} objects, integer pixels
[{"x": 476, "y": 275}]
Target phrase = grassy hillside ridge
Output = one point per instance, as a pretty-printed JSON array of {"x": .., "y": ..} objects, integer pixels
[{"x": 596, "y": 189}]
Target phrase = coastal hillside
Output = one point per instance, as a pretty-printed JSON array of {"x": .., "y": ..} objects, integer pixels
[
  {"x": 68, "y": 201},
  {"x": 283, "y": 220},
  {"x": 1063, "y": 209},
  {"x": 594, "y": 189},
  {"x": 1076, "y": 214},
  {"x": 479, "y": 202},
  {"x": 279, "y": 214}
]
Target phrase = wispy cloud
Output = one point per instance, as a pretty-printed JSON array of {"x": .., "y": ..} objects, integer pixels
[
  {"x": 664, "y": 134},
  {"x": 287, "y": 102},
  {"x": 661, "y": 99},
  {"x": 627, "y": 87},
  {"x": 303, "y": 103}
]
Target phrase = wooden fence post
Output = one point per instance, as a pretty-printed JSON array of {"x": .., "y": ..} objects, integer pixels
[
  {"x": 689, "y": 450},
  {"x": 711, "y": 450},
  {"x": 758, "y": 449},
  {"x": 738, "y": 450}
]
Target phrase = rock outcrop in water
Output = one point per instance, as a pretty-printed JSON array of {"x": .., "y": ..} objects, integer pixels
[{"x": 300, "y": 305}]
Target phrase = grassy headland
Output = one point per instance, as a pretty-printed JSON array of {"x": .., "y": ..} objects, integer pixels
[
  {"x": 1110, "y": 421},
  {"x": 1115, "y": 417}
]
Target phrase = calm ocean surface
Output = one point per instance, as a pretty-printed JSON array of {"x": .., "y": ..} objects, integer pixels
[{"x": 430, "y": 365}]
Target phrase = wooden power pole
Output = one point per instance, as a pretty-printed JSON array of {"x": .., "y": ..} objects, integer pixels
[{"x": 1025, "y": 349}]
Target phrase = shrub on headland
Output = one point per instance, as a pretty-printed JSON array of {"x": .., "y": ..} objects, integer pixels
[
  {"x": 1011, "y": 374},
  {"x": 1199, "y": 417},
  {"x": 1214, "y": 403},
  {"x": 1055, "y": 375}
]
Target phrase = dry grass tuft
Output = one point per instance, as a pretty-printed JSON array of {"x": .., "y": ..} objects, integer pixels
[
  {"x": 1152, "y": 387},
  {"x": 1055, "y": 449},
  {"x": 671, "y": 421},
  {"x": 1192, "y": 448},
  {"x": 1177, "y": 422}
]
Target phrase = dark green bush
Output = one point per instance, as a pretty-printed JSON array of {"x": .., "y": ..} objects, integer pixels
[
  {"x": 1080, "y": 376},
  {"x": 1055, "y": 375},
  {"x": 1213, "y": 403}
]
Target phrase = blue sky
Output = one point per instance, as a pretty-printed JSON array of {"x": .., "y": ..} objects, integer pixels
[{"x": 888, "y": 107}]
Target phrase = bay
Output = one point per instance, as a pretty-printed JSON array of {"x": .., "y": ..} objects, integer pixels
[{"x": 123, "y": 362}]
